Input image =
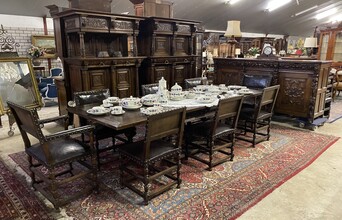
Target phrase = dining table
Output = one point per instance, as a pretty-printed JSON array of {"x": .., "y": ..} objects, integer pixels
[{"x": 132, "y": 118}]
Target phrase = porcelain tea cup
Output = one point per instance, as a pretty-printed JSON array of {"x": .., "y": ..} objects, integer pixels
[
  {"x": 98, "y": 109},
  {"x": 116, "y": 110},
  {"x": 106, "y": 103},
  {"x": 112, "y": 99},
  {"x": 130, "y": 102}
]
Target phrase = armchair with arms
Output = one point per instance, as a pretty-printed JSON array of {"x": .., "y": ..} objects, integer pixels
[{"x": 51, "y": 159}]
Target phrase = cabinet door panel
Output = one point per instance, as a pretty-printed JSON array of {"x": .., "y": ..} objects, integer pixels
[
  {"x": 294, "y": 97},
  {"x": 162, "y": 71},
  {"x": 98, "y": 79},
  {"x": 181, "y": 73},
  {"x": 122, "y": 82}
]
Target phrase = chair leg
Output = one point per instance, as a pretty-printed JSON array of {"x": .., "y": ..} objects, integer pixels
[
  {"x": 94, "y": 167},
  {"x": 178, "y": 170},
  {"x": 32, "y": 175},
  {"x": 268, "y": 129},
  {"x": 232, "y": 147},
  {"x": 97, "y": 154},
  {"x": 210, "y": 143},
  {"x": 121, "y": 171},
  {"x": 146, "y": 182},
  {"x": 53, "y": 188},
  {"x": 254, "y": 125}
]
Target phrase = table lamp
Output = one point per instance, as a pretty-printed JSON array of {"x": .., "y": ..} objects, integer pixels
[
  {"x": 237, "y": 52},
  {"x": 233, "y": 30},
  {"x": 309, "y": 44}
]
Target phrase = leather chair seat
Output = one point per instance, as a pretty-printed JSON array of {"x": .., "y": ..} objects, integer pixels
[
  {"x": 62, "y": 150},
  {"x": 203, "y": 129},
  {"x": 158, "y": 149}
]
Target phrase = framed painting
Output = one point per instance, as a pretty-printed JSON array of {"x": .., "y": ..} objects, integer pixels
[
  {"x": 18, "y": 83},
  {"x": 47, "y": 42}
]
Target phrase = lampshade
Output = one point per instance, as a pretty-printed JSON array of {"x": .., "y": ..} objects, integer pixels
[
  {"x": 233, "y": 29},
  {"x": 310, "y": 42}
]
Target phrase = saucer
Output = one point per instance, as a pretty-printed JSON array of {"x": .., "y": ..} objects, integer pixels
[
  {"x": 91, "y": 111},
  {"x": 121, "y": 113}
]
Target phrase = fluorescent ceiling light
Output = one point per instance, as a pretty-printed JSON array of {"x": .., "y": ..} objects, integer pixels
[
  {"x": 272, "y": 5},
  {"x": 304, "y": 11},
  {"x": 336, "y": 18},
  {"x": 233, "y": 1},
  {"x": 326, "y": 13}
]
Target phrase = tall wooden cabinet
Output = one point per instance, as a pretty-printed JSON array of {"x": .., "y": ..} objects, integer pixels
[
  {"x": 99, "y": 50},
  {"x": 330, "y": 46},
  {"x": 169, "y": 46}
]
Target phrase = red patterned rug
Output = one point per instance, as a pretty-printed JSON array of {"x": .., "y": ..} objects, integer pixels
[
  {"x": 224, "y": 193},
  {"x": 17, "y": 200}
]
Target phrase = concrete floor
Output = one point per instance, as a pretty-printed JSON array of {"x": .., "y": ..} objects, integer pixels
[{"x": 314, "y": 193}]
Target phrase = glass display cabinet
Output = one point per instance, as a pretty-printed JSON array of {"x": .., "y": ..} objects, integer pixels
[{"x": 330, "y": 46}]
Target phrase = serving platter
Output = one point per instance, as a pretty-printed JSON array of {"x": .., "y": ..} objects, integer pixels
[{"x": 132, "y": 107}]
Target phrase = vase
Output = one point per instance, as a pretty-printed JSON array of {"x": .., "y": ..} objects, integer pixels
[{"x": 36, "y": 62}]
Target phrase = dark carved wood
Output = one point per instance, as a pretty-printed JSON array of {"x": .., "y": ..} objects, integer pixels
[{"x": 304, "y": 85}]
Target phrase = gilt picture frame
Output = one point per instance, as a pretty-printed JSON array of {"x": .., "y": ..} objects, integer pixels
[
  {"x": 18, "y": 84},
  {"x": 2, "y": 110},
  {"x": 47, "y": 42}
]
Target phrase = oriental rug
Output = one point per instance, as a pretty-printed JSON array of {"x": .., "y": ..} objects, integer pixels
[
  {"x": 223, "y": 193},
  {"x": 17, "y": 200}
]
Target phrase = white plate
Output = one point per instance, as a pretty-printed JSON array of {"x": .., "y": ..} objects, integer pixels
[
  {"x": 148, "y": 104},
  {"x": 205, "y": 101},
  {"x": 112, "y": 112},
  {"x": 132, "y": 107},
  {"x": 245, "y": 93},
  {"x": 90, "y": 111}
]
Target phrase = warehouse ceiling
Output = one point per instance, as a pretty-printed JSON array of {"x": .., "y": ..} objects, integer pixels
[{"x": 296, "y": 18}]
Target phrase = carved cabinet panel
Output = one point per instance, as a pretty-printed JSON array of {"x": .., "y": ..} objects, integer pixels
[
  {"x": 294, "y": 96},
  {"x": 123, "y": 81}
]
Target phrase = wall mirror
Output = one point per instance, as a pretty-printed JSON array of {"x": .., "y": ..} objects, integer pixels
[{"x": 18, "y": 83}]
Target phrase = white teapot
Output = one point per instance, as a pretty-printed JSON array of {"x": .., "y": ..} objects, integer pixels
[
  {"x": 130, "y": 102},
  {"x": 176, "y": 92}
]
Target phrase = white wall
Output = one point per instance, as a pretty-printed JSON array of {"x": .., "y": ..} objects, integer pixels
[{"x": 25, "y": 21}]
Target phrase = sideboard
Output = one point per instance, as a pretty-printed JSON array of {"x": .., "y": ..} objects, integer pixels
[{"x": 305, "y": 85}]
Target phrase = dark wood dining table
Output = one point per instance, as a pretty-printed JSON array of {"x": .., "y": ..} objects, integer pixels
[{"x": 131, "y": 118}]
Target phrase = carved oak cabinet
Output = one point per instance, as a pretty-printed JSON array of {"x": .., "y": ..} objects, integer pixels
[
  {"x": 99, "y": 50},
  {"x": 169, "y": 45},
  {"x": 304, "y": 84}
]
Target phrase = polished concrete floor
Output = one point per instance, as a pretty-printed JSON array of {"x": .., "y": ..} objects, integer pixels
[{"x": 314, "y": 193}]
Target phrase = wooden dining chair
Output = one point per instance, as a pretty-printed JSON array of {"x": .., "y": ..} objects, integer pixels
[
  {"x": 216, "y": 135},
  {"x": 149, "y": 89},
  {"x": 337, "y": 85},
  {"x": 156, "y": 157},
  {"x": 51, "y": 159},
  {"x": 101, "y": 132},
  {"x": 255, "y": 121}
]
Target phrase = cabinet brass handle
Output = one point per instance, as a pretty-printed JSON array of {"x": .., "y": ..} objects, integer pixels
[
  {"x": 127, "y": 62},
  {"x": 186, "y": 60},
  {"x": 102, "y": 63},
  {"x": 166, "y": 62}
]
